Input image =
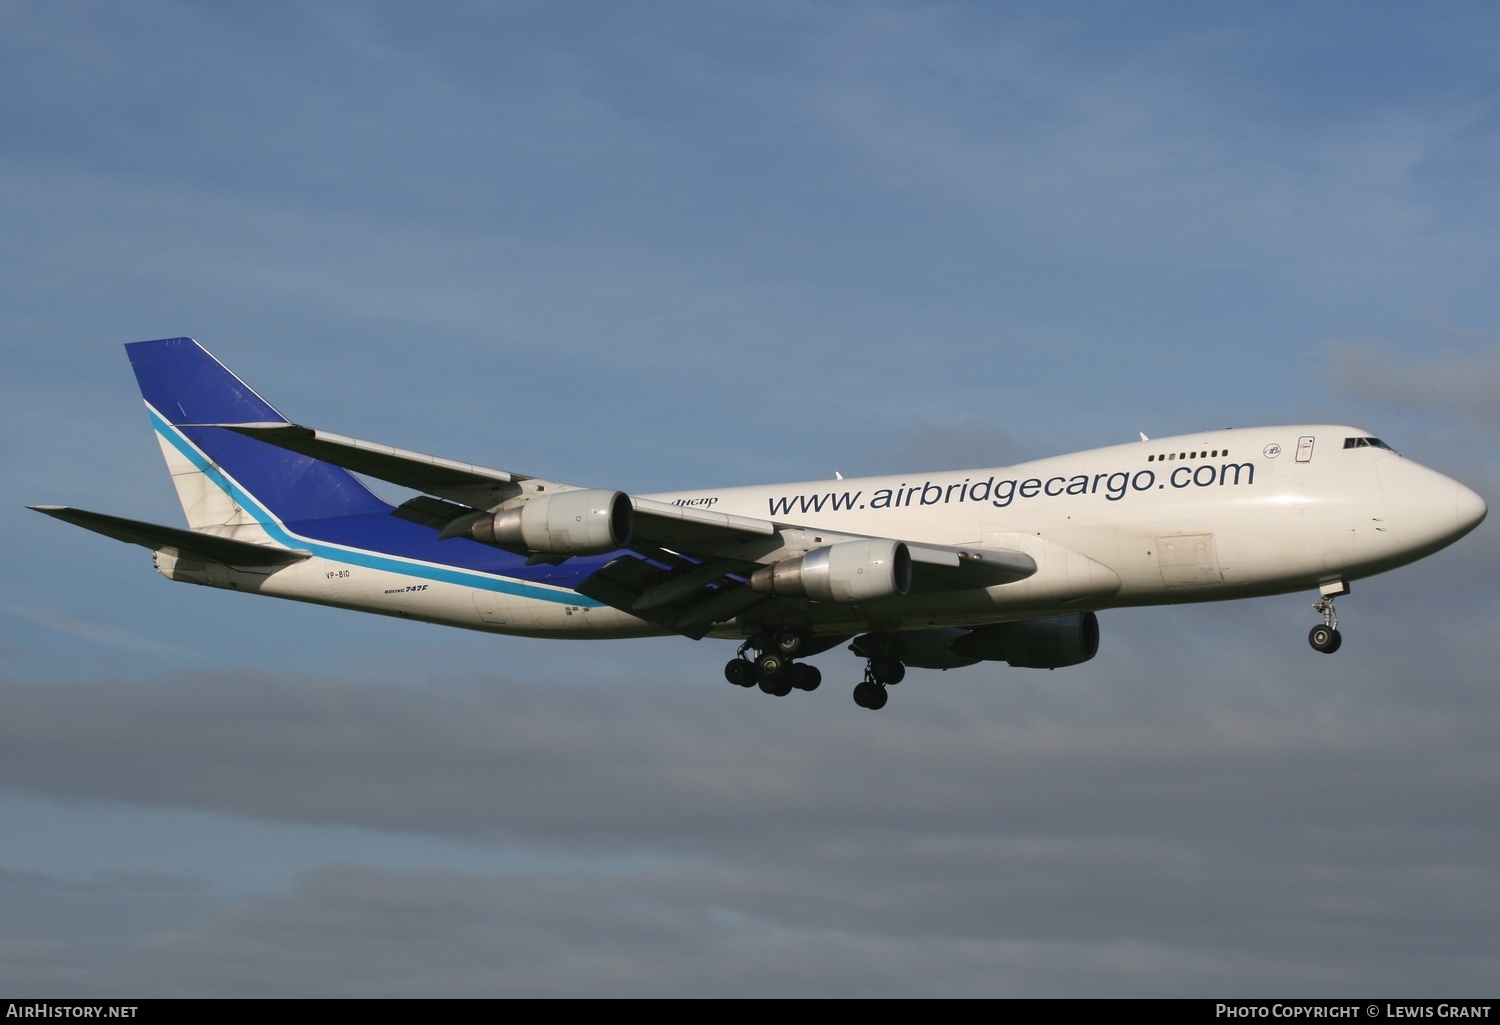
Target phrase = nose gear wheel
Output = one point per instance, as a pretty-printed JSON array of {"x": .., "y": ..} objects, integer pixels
[{"x": 1326, "y": 638}]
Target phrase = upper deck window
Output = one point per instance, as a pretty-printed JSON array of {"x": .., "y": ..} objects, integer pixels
[{"x": 1215, "y": 454}]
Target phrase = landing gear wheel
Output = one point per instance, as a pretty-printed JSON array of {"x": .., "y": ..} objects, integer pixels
[
  {"x": 1325, "y": 639},
  {"x": 771, "y": 665},
  {"x": 788, "y": 642},
  {"x": 804, "y": 676},
  {"x": 886, "y": 670},
  {"x": 870, "y": 695},
  {"x": 740, "y": 672},
  {"x": 777, "y": 686}
]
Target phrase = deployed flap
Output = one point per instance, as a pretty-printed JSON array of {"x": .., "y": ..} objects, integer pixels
[
  {"x": 673, "y": 592},
  {"x": 153, "y": 536}
]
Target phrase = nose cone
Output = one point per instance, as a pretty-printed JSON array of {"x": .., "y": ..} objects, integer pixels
[
  {"x": 1426, "y": 511},
  {"x": 1469, "y": 510}
]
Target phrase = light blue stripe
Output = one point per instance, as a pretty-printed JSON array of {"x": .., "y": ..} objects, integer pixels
[{"x": 357, "y": 557}]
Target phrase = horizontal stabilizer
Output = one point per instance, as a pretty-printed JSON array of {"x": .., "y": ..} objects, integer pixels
[{"x": 153, "y": 536}]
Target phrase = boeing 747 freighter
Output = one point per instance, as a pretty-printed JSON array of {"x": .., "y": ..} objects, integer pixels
[{"x": 942, "y": 570}]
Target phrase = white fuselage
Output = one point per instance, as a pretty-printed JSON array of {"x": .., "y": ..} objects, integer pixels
[{"x": 1226, "y": 514}]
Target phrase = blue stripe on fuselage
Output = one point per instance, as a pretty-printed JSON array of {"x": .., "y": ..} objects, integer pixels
[{"x": 378, "y": 540}]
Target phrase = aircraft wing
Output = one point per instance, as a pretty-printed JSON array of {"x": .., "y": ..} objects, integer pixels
[
  {"x": 689, "y": 566},
  {"x": 151, "y": 535},
  {"x": 448, "y": 478},
  {"x": 689, "y": 593},
  {"x": 468, "y": 484}
]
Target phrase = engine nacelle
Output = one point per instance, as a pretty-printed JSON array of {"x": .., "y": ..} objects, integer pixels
[
  {"x": 589, "y": 522},
  {"x": 848, "y": 572},
  {"x": 1035, "y": 643}
]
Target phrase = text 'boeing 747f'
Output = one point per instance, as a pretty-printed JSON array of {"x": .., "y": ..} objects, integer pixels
[{"x": 1006, "y": 564}]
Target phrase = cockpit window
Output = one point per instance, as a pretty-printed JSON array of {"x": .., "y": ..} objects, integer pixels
[{"x": 1366, "y": 443}]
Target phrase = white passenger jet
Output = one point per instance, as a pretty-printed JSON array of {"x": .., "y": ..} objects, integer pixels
[{"x": 932, "y": 570}]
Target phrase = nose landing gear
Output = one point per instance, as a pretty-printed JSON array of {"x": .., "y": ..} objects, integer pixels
[{"x": 1326, "y": 637}]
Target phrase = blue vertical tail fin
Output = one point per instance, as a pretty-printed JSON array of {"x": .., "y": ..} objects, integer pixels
[{"x": 229, "y": 483}]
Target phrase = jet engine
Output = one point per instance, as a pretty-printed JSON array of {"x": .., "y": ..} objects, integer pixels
[
  {"x": 848, "y": 572},
  {"x": 1035, "y": 643},
  {"x": 586, "y": 522}
]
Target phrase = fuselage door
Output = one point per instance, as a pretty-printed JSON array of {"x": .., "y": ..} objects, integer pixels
[
  {"x": 1188, "y": 560},
  {"x": 1304, "y": 448}
]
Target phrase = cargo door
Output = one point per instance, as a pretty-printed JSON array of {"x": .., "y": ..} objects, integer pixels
[{"x": 1188, "y": 560}]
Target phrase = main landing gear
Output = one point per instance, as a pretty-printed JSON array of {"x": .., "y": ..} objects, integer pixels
[
  {"x": 772, "y": 667},
  {"x": 1326, "y": 637},
  {"x": 883, "y": 669},
  {"x": 767, "y": 660},
  {"x": 881, "y": 672}
]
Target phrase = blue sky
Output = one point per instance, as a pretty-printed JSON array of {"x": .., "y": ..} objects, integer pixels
[{"x": 663, "y": 245}]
